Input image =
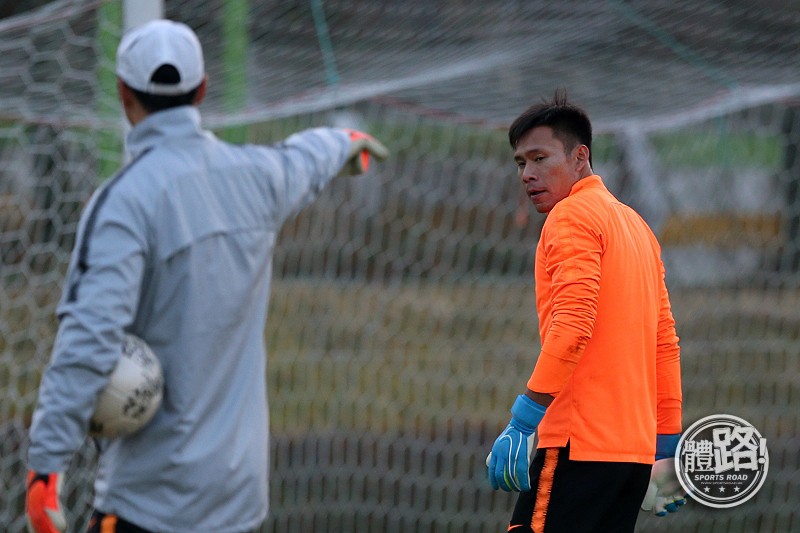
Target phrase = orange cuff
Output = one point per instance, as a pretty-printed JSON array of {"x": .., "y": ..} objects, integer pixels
[
  {"x": 669, "y": 414},
  {"x": 550, "y": 374}
]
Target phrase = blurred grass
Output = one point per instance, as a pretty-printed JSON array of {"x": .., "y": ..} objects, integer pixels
[
  {"x": 390, "y": 357},
  {"x": 706, "y": 145},
  {"x": 447, "y": 347},
  {"x": 413, "y": 383},
  {"x": 394, "y": 358},
  {"x": 719, "y": 149},
  {"x": 410, "y": 383},
  {"x": 27, "y": 329}
]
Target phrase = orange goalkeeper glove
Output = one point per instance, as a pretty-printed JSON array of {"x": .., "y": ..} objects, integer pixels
[
  {"x": 43, "y": 503},
  {"x": 362, "y": 147}
]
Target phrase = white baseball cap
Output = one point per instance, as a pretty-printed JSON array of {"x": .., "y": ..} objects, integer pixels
[{"x": 146, "y": 48}]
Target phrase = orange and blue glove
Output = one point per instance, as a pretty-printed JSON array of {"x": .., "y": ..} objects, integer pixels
[
  {"x": 665, "y": 493},
  {"x": 43, "y": 503},
  {"x": 363, "y": 146},
  {"x": 510, "y": 459}
]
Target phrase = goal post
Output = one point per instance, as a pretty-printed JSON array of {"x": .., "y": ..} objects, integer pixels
[
  {"x": 113, "y": 19},
  {"x": 234, "y": 42},
  {"x": 137, "y": 12},
  {"x": 109, "y": 141}
]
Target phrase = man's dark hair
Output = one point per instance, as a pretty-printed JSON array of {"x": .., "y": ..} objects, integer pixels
[
  {"x": 570, "y": 123},
  {"x": 166, "y": 74}
]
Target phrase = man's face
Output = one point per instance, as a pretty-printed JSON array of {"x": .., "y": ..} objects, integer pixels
[{"x": 546, "y": 170}]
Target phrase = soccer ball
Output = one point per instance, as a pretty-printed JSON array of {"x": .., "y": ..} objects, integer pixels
[{"x": 133, "y": 393}]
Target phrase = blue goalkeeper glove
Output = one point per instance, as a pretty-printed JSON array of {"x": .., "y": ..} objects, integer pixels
[
  {"x": 510, "y": 460},
  {"x": 665, "y": 493},
  {"x": 362, "y": 147}
]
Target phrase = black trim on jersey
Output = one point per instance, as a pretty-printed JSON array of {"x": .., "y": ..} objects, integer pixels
[{"x": 83, "y": 251}]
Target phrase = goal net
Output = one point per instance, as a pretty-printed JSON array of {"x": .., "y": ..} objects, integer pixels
[{"x": 403, "y": 300}]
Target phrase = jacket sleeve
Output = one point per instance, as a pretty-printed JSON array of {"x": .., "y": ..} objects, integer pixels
[
  {"x": 573, "y": 251},
  {"x": 668, "y": 368},
  {"x": 99, "y": 300},
  {"x": 300, "y": 167}
]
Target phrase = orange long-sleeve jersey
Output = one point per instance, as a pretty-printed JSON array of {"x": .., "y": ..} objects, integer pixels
[{"x": 610, "y": 355}]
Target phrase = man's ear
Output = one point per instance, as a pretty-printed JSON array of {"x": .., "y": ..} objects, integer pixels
[
  {"x": 201, "y": 91},
  {"x": 130, "y": 106},
  {"x": 581, "y": 157},
  {"x": 125, "y": 94}
]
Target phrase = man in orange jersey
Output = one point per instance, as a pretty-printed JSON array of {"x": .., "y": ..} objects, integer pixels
[{"x": 605, "y": 394}]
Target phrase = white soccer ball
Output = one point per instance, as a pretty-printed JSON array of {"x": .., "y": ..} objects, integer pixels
[{"x": 133, "y": 393}]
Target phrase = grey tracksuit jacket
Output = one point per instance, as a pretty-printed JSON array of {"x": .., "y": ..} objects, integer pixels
[{"x": 177, "y": 249}]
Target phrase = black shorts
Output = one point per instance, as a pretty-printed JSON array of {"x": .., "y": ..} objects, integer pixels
[
  {"x": 580, "y": 496},
  {"x": 109, "y": 523}
]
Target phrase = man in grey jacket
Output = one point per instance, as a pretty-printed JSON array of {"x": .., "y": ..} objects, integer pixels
[{"x": 177, "y": 249}]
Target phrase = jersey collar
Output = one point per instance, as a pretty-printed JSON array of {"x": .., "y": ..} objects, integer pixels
[
  {"x": 183, "y": 121},
  {"x": 589, "y": 182}
]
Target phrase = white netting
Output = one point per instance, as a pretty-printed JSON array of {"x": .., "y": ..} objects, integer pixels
[{"x": 403, "y": 301}]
